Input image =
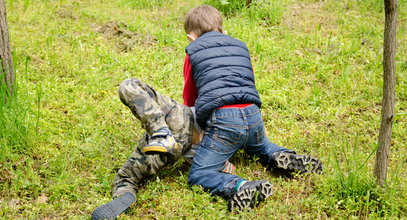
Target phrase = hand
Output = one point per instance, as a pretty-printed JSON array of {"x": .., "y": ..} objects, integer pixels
[{"x": 196, "y": 137}]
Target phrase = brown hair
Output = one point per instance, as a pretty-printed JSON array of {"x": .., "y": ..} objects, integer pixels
[{"x": 202, "y": 19}]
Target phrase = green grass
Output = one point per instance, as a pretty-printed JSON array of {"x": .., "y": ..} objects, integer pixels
[{"x": 318, "y": 68}]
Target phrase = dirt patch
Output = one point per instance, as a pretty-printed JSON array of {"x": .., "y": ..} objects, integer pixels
[
  {"x": 67, "y": 14},
  {"x": 5, "y": 175},
  {"x": 306, "y": 17},
  {"x": 125, "y": 40}
]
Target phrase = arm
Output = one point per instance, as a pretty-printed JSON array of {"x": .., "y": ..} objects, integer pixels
[{"x": 190, "y": 93}]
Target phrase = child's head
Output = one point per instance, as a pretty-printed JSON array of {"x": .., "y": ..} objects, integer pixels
[{"x": 202, "y": 19}]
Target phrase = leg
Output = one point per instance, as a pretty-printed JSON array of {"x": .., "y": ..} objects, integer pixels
[
  {"x": 156, "y": 112},
  {"x": 222, "y": 138},
  {"x": 141, "y": 99},
  {"x": 226, "y": 132},
  {"x": 135, "y": 171},
  {"x": 205, "y": 171},
  {"x": 276, "y": 157},
  {"x": 145, "y": 103}
]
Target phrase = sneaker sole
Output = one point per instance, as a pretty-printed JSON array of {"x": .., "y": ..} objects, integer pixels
[
  {"x": 301, "y": 163},
  {"x": 154, "y": 149},
  {"x": 249, "y": 198},
  {"x": 114, "y": 208}
]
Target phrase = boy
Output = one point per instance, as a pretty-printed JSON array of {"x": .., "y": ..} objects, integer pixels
[
  {"x": 170, "y": 133},
  {"x": 227, "y": 108}
]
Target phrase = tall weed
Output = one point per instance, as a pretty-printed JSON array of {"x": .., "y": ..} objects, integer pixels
[
  {"x": 351, "y": 185},
  {"x": 15, "y": 129},
  {"x": 13, "y": 132}
]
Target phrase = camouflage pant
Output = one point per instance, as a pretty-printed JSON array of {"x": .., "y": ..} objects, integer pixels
[{"x": 154, "y": 111}]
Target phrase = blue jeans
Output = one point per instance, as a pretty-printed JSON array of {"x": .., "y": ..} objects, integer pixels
[{"x": 227, "y": 131}]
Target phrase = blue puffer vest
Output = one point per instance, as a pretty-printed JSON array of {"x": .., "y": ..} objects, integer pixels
[{"x": 222, "y": 72}]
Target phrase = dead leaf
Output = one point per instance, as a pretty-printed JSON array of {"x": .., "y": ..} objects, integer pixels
[
  {"x": 13, "y": 203},
  {"x": 42, "y": 198}
]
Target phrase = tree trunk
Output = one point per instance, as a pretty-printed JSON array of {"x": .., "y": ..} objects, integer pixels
[
  {"x": 6, "y": 63},
  {"x": 389, "y": 83}
]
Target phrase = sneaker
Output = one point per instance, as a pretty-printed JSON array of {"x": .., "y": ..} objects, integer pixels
[
  {"x": 162, "y": 142},
  {"x": 250, "y": 195},
  {"x": 292, "y": 162},
  {"x": 114, "y": 208}
]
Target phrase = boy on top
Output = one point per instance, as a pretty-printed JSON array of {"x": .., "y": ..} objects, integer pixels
[{"x": 219, "y": 82}]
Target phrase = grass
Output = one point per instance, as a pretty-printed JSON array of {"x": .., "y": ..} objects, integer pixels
[{"x": 318, "y": 68}]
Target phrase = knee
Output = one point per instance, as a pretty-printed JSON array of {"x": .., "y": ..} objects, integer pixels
[
  {"x": 127, "y": 87},
  {"x": 194, "y": 176},
  {"x": 128, "y": 84},
  {"x": 191, "y": 179}
]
